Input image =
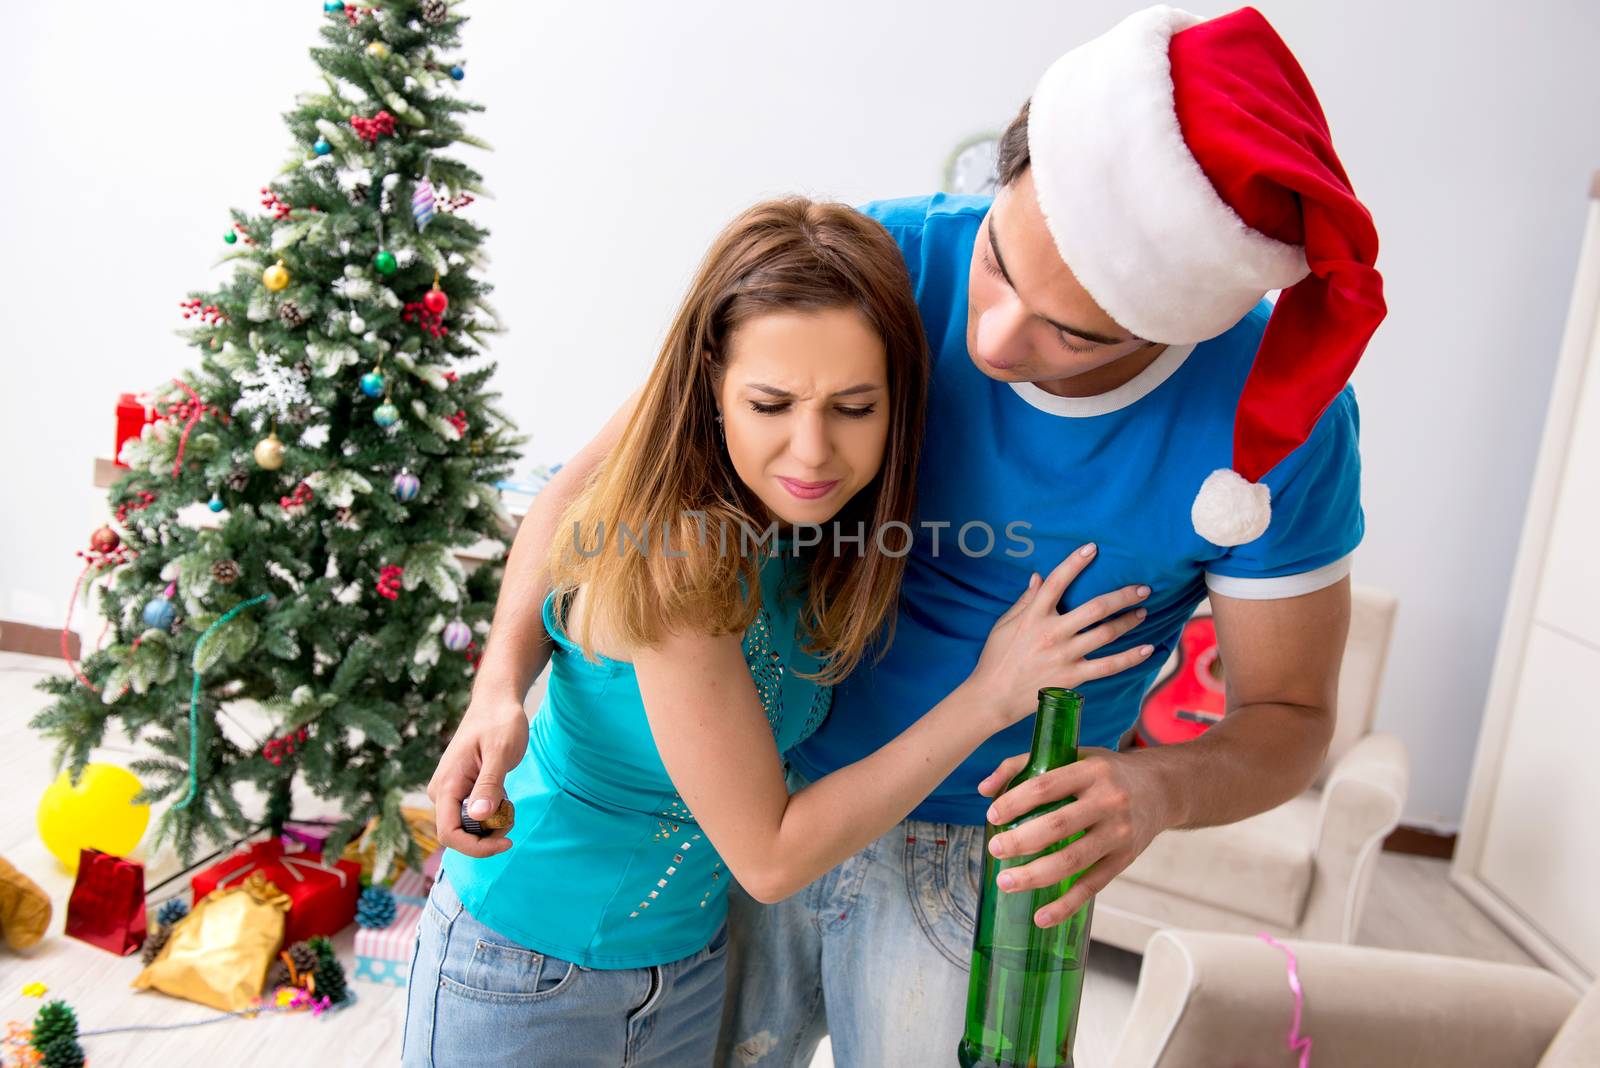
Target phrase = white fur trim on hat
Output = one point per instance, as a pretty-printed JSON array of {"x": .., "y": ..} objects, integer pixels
[
  {"x": 1131, "y": 211},
  {"x": 1230, "y": 511}
]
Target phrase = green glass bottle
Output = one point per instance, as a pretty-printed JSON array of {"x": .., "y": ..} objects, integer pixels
[{"x": 1027, "y": 981}]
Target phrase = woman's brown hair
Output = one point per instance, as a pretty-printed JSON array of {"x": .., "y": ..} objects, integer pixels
[{"x": 671, "y": 472}]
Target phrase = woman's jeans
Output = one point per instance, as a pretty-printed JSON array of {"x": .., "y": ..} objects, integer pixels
[{"x": 476, "y": 999}]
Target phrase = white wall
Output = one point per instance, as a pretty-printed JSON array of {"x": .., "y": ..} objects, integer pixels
[{"x": 628, "y": 131}]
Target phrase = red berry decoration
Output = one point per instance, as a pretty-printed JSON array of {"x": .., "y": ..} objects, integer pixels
[
  {"x": 276, "y": 749},
  {"x": 388, "y": 584},
  {"x": 296, "y": 502},
  {"x": 369, "y": 130}
]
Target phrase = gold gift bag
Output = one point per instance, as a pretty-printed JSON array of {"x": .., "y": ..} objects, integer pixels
[{"x": 218, "y": 955}]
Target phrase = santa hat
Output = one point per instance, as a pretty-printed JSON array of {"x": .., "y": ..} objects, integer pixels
[{"x": 1184, "y": 168}]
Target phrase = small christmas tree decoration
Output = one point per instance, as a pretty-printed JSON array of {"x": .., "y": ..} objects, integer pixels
[
  {"x": 435, "y": 11},
  {"x": 458, "y": 72},
  {"x": 405, "y": 486},
  {"x": 372, "y": 383},
  {"x": 386, "y": 415},
  {"x": 215, "y": 503},
  {"x": 230, "y": 237},
  {"x": 357, "y": 324},
  {"x": 276, "y": 277},
  {"x": 375, "y": 908},
  {"x": 160, "y": 613},
  {"x": 105, "y": 540},
  {"x": 269, "y": 452},
  {"x": 457, "y": 636},
  {"x": 237, "y": 479},
  {"x": 422, "y": 200},
  {"x": 321, "y": 147},
  {"x": 172, "y": 910},
  {"x": 290, "y": 315},
  {"x": 378, "y": 50},
  {"x": 385, "y": 263},
  {"x": 225, "y": 572},
  {"x": 333, "y": 7}
]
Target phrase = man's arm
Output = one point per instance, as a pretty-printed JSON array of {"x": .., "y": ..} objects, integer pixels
[
  {"x": 1282, "y": 660},
  {"x": 493, "y": 734}
]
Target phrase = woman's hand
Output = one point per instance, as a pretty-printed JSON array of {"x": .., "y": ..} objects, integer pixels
[
  {"x": 491, "y": 740},
  {"x": 1033, "y": 645}
]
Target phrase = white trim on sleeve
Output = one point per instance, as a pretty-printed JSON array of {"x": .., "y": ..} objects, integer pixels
[{"x": 1279, "y": 586}]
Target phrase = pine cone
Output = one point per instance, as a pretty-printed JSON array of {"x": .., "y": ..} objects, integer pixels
[
  {"x": 304, "y": 957},
  {"x": 154, "y": 943},
  {"x": 225, "y": 571},
  {"x": 277, "y": 975},
  {"x": 434, "y": 11},
  {"x": 375, "y": 908},
  {"x": 55, "y": 1021},
  {"x": 64, "y": 1052},
  {"x": 359, "y": 194},
  {"x": 299, "y": 415},
  {"x": 290, "y": 315},
  {"x": 237, "y": 479},
  {"x": 303, "y": 368},
  {"x": 172, "y": 910},
  {"x": 329, "y": 972}
]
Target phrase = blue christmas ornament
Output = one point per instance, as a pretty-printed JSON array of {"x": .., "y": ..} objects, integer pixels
[
  {"x": 321, "y": 147},
  {"x": 333, "y": 7},
  {"x": 372, "y": 384},
  {"x": 215, "y": 503},
  {"x": 386, "y": 415},
  {"x": 160, "y": 613},
  {"x": 406, "y": 486},
  {"x": 458, "y": 72}
]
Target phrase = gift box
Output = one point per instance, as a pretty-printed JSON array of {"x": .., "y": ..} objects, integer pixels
[
  {"x": 131, "y": 418},
  {"x": 106, "y": 908},
  {"x": 384, "y": 955},
  {"x": 311, "y": 836},
  {"x": 322, "y": 897}
]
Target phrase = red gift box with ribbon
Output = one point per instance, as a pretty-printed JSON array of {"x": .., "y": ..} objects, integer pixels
[
  {"x": 132, "y": 415},
  {"x": 322, "y": 897}
]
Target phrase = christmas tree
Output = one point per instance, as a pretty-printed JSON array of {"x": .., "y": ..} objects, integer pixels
[{"x": 285, "y": 535}]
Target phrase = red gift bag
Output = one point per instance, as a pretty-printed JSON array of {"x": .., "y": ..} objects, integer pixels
[
  {"x": 322, "y": 897},
  {"x": 106, "y": 908}
]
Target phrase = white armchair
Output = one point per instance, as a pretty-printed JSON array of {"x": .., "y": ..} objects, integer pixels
[
  {"x": 1223, "y": 1001},
  {"x": 1301, "y": 870}
]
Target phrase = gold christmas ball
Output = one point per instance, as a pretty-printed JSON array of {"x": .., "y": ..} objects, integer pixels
[
  {"x": 275, "y": 277},
  {"x": 269, "y": 452},
  {"x": 378, "y": 50}
]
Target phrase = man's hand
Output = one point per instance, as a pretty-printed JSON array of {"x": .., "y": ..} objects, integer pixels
[
  {"x": 491, "y": 740},
  {"x": 1119, "y": 808}
]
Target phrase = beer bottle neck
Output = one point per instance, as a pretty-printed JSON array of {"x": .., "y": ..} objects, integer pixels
[{"x": 1055, "y": 732}]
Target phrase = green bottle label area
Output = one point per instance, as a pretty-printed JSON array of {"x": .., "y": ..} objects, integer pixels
[{"x": 1027, "y": 981}]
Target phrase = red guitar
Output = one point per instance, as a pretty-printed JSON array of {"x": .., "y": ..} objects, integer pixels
[{"x": 1184, "y": 704}]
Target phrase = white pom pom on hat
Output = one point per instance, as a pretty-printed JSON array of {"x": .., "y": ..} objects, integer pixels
[{"x": 1230, "y": 511}]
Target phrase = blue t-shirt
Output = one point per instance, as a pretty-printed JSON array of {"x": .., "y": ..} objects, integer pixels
[
  {"x": 1120, "y": 469},
  {"x": 608, "y": 867}
]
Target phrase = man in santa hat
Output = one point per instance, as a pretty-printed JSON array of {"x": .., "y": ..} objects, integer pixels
[{"x": 1106, "y": 370}]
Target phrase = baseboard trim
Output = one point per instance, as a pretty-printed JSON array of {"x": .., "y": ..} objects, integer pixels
[
  {"x": 35, "y": 641},
  {"x": 1420, "y": 842}
]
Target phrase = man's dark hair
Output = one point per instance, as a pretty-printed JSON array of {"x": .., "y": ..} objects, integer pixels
[{"x": 1011, "y": 159}]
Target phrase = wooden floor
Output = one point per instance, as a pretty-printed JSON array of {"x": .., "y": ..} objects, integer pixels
[{"x": 1412, "y": 907}]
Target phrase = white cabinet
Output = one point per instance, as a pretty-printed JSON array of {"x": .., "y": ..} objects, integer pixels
[{"x": 1529, "y": 850}]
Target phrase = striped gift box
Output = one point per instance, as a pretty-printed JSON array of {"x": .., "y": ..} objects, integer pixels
[
  {"x": 384, "y": 955},
  {"x": 411, "y": 887}
]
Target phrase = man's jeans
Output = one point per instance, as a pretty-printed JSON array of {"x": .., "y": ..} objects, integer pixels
[{"x": 875, "y": 954}]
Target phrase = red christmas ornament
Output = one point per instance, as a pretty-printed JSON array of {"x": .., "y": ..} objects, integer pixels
[
  {"x": 104, "y": 540},
  {"x": 436, "y": 300}
]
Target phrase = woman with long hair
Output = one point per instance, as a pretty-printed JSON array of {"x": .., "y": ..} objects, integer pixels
[{"x": 737, "y": 553}]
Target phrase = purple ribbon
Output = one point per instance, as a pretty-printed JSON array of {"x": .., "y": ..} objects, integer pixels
[{"x": 1298, "y": 1043}]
